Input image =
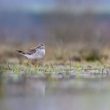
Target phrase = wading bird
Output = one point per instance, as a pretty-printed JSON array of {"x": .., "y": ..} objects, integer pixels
[{"x": 37, "y": 53}]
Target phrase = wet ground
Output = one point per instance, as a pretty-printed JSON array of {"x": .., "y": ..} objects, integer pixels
[{"x": 75, "y": 94}]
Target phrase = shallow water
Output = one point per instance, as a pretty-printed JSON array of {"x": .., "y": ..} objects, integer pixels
[{"x": 75, "y": 94}]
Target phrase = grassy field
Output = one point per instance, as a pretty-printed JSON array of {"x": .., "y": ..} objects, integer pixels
[{"x": 59, "y": 62}]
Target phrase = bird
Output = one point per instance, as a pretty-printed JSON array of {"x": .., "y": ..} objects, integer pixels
[{"x": 36, "y": 53}]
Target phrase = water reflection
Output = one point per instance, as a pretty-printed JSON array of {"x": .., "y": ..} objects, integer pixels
[{"x": 77, "y": 94}]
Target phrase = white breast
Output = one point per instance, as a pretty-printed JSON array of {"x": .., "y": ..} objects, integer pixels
[{"x": 39, "y": 54}]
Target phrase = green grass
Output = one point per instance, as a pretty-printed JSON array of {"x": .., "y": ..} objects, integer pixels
[{"x": 54, "y": 71}]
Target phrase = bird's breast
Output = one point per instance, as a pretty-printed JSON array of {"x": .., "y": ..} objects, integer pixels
[{"x": 40, "y": 53}]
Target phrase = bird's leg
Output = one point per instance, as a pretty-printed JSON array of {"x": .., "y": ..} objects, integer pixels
[
  {"x": 34, "y": 63},
  {"x": 28, "y": 62},
  {"x": 38, "y": 63},
  {"x": 41, "y": 63}
]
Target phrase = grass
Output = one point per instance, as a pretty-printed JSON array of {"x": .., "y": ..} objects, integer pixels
[
  {"x": 54, "y": 71},
  {"x": 58, "y": 62}
]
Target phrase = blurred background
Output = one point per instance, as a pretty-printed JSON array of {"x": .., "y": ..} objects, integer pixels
[
  {"x": 62, "y": 23},
  {"x": 73, "y": 31},
  {"x": 54, "y": 20}
]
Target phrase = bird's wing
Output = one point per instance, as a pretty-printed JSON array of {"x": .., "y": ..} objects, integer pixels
[{"x": 31, "y": 51}]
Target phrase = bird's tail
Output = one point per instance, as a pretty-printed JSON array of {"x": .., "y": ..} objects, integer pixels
[{"x": 21, "y": 52}]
